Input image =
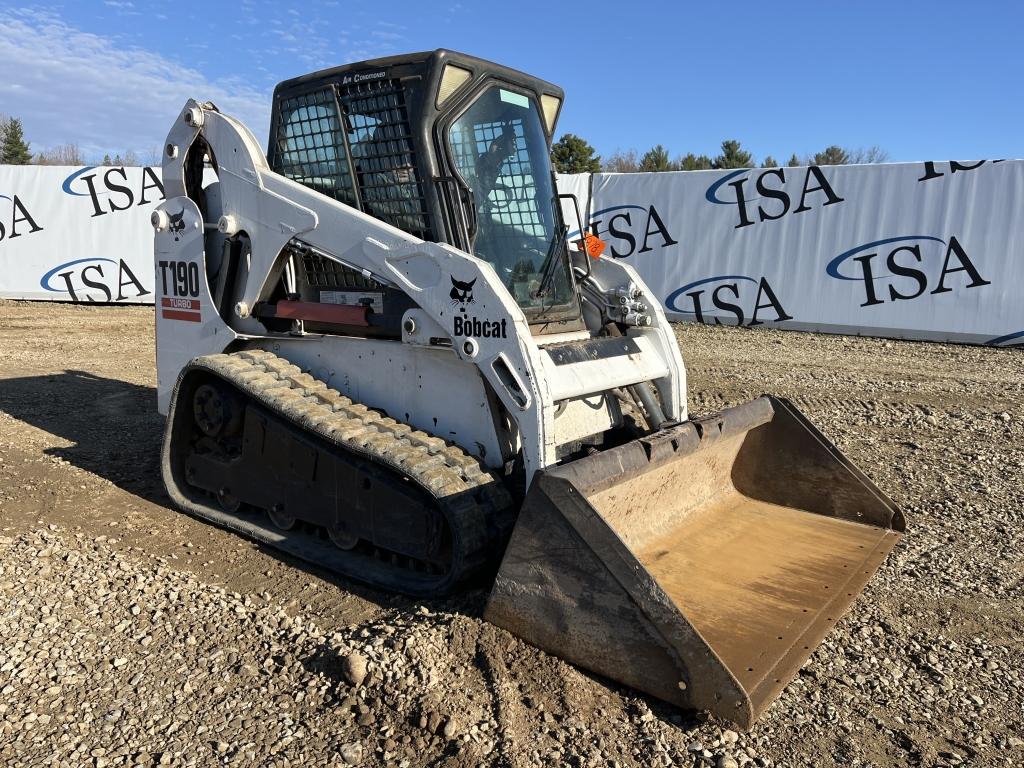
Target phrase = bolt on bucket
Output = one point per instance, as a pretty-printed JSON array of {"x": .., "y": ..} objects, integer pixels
[{"x": 701, "y": 564}]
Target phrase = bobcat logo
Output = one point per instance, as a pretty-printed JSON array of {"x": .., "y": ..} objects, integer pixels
[
  {"x": 177, "y": 223},
  {"x": 462, "y": 294}
]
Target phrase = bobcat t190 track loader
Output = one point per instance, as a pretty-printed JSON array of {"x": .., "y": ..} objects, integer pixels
[{"x": 377, "y": 351}]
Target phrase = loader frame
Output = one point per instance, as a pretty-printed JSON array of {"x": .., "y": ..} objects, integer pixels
[{"x": 536, "y": 379}]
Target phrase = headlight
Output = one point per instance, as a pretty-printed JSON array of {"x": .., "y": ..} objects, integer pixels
[
  {"x": 452, "y": 78},
  {"x": 549, "y": 105}
]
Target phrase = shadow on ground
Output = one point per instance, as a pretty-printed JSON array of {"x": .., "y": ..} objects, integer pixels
[
  {"x": 116, "y": 432},
  {"x": 113, "y": 425}
]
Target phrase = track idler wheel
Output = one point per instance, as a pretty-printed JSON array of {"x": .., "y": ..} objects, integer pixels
[
  {"x": 228, "y": 501},
  {"x": 216, "y": 411},
  {"x": 280, "y": 518},
  {"x": 342, "y": 538}
]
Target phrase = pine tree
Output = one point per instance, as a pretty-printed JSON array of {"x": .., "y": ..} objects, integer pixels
[
  {"x": 107, "y": 160},
  {"x": 733, "y": 157},
  {"x": 572, "y": 154},
  {"x": 656, "y": 160},
  {"x": 692, "y": 162},
  {"x": 770, "y": 162},
  {"x": 794, "y": 161},
  {"x": 833, "y": 155},
  {"x": 14, "y": 149}
]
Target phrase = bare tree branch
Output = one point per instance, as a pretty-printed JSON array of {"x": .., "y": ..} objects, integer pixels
[
  {"x": 62, "y": 154},
  {"x": 622, "y": 161}
]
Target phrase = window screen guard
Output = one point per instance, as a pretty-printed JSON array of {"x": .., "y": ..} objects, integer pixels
[{"x": 362, "y": 156}]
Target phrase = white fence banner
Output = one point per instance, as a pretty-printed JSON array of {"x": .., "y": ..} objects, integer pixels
[
  {"x": 77, "y": 234},
  {"x": 574, "y": 211},
  {"x": 909, "y": 250},
  {"x": 915, "y": 250}
]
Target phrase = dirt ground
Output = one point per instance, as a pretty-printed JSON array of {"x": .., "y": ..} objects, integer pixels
[{"x": 926, "y": 669}]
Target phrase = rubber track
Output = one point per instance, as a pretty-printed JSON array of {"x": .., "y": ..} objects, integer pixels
[{"x": 476, "y": 504}]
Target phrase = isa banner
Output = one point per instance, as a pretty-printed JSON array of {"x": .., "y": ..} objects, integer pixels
[
  {"x": 931, "y": 250},
  {"x": 574, "y": 194},
  {"x": 77, "y": 234}
]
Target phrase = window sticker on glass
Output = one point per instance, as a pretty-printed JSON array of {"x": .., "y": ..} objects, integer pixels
[{"x": 514, "y": 98}]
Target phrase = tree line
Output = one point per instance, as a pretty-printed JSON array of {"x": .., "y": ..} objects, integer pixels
[
  {"x": 573, "y": 154},
  {"x": 15, "y": 150}
]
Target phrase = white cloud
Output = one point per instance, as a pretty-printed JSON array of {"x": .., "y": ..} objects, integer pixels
[{"x": 70, "y": 86}]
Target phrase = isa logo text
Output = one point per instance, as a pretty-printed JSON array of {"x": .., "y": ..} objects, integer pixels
[
  {"x": 15, "y": 218},
  {"x": 751, "y": 301},
  {"x": 904, "y": 268},
  {"x": 760, "y": 196},
  {"x": 110, "y": 191},
  {"x": 630, "y": 229},
  {"x": 94, "y": 280}
]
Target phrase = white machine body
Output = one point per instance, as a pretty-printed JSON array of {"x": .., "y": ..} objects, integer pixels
[{"x": 453, "y": 357}]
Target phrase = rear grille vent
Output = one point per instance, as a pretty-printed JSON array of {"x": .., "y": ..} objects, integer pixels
[{"x": 325, "y": 274}]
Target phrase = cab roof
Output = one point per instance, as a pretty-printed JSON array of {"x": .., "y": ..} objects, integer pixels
[{"x": 424, "y": 60}]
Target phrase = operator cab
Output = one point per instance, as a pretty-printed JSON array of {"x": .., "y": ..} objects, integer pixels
[{"x": 446, "y": 147}]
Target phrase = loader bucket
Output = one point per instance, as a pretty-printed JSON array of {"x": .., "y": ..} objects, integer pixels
[{"x": 701, "y": 564}]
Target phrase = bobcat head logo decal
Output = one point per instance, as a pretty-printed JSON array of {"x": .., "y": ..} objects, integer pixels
[
  {"x": 177, "y": 223},
  {"x": 468, "y": 326},
  {"x": 462, "y": 294}
]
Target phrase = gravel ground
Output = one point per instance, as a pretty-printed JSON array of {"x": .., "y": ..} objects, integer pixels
[{"x": 133, "y": 635}]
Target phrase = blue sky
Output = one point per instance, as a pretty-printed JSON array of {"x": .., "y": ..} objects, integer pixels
[{"x": 922, "y": 80}]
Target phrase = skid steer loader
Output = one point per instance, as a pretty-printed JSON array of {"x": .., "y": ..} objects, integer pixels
[{"x": 378, "y": 351}]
